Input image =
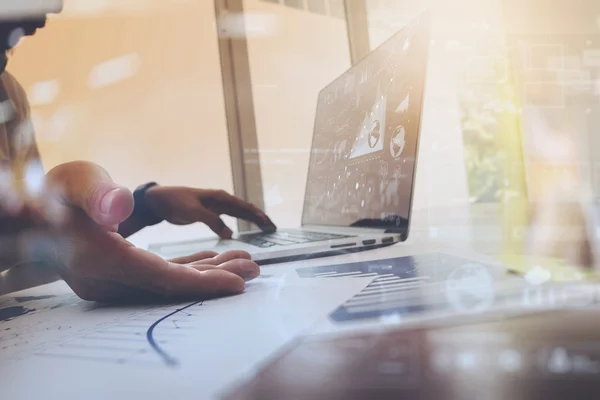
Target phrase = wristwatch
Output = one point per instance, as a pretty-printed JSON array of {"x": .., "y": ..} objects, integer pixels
[{"x": 141, "y": 211}]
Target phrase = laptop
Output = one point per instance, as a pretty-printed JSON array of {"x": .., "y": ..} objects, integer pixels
[{"x": 362, "y": 163}]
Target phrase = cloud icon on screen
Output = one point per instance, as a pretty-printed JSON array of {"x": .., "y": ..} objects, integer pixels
[
  {"x": 403, "y": 107},
  {"x": 538, "y": 276}
]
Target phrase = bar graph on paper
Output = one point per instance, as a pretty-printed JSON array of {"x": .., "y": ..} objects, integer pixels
[{"x": 405, "y": 285}]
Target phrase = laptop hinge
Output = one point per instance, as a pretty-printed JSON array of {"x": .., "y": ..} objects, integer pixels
[{"x": 398, "y": 231}]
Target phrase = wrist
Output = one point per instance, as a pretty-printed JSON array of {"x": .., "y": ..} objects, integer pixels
[{"x": 146, "y": 210}]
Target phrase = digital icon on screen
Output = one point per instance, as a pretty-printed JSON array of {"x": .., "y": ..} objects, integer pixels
[
  {"x": 383, "y": 169},
  {"x": 559, "y": 362},
  {"x": 403, "y": 107},
  {"x": 340, "y": 151},
  {"x": 398, "y": 142},
  {"x": 372, "y": 131},
  {"x": 399, "y": 173},
  {"x": 375, "y": 134}
]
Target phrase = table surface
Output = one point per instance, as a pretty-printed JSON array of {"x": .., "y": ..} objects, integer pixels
[
  {"x": 225, "y": 340},
  {"x": 206, "y": 349}
]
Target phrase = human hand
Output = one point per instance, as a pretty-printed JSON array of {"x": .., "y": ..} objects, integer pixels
[
  {"x": 182, "y": 206},
  {"x": 70, "y": 233},
  {"x": 81, "y": 185},
  {"x": 102, "y": 266}
]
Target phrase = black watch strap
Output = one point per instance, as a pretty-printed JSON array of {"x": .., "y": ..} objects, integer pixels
[{"x": 141, "y": 211}]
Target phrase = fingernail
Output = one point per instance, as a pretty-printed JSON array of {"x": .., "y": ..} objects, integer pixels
[
  {"x": 269, "y": 228},
  {"x": 227, "y": 233},
  {"x": 107, "y": 200},
  {"x": 250, "y": 272}
]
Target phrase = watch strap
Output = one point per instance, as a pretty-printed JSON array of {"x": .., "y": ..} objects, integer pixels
[{"x": 141, "y": 211}]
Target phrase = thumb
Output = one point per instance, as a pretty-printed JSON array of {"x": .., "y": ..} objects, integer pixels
[{"x": 89, "y": 187}]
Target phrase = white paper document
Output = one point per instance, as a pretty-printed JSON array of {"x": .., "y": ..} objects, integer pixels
[{"x": 56, "y": 346}]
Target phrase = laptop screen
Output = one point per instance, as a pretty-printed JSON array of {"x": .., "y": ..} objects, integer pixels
[{"x": 363, "y": 156}]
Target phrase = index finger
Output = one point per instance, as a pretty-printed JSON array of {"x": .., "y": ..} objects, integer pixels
[{"x": 238, "y": 208}]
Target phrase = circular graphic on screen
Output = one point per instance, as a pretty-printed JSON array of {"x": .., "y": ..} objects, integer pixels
[
  {"x": 374, "y": 134},
  {"x": 398, "y": 142}
]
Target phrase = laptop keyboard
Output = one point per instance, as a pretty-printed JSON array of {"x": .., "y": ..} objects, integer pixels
[{"x": 286, "y": 238}]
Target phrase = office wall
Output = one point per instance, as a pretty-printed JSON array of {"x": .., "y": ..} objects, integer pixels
[{"x": 135, "y": 87}]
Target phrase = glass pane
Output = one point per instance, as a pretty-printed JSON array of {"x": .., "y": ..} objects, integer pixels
[
  {"x": 557, "y": 67},
  {"x": 135, "y": 89},
  {"x": 470, "y": 156},
  {"x": 386, "y": 17},
  {"x": 301, "y": 53},
  {"x": 317, "y": 6},
  {"x": 299, "y": 4}
]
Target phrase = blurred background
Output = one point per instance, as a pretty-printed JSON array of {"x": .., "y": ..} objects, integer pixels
[{"x": 222, "y": 94}]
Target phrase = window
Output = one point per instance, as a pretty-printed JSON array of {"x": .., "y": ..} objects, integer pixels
[{"x": 137, "y": 91}]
